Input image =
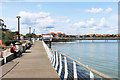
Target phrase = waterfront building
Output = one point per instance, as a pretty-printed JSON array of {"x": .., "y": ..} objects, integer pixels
[
  {"x": 118, "y": 35},
  {"x": 47, "y": 36},
  {"x": 54, "y": 35},
  {"x": 98, "y": 35}
]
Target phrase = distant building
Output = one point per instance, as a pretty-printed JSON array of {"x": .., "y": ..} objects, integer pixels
[
  {"x": 47, "y": 36},
  {"x": 118, "y": 35},
  {"x": 105, "y": 35},
  {"x": 98, "y": 35},
  {"x": 60, "y": 34},
  {"x": 91, "y": 35},
  {"x": 53, "y": 34}
]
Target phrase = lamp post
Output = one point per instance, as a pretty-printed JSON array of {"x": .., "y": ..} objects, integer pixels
[
  {"x": 19, "y": 27},
  {"x": 29, "y": 30},
  {"x": 29, "y": 33}
]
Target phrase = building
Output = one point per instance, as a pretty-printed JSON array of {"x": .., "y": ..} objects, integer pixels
[
  {"x": 118, "y": 35},
  {"x": 47, "y": 36},
  {"x": 59, "y": 35},
  {"x": 98, "y": 35},
  {"x": 106, "y": 35},
  {"x": 91, "y": 35},
  {"x": 53, "y": 35}
]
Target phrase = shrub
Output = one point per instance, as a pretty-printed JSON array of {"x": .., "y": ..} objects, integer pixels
[{"x": 8, "y": 42}]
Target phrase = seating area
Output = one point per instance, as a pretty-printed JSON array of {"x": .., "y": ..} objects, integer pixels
[{"x": 6, "y": 53}]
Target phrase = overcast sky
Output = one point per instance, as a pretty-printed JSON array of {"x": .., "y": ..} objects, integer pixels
[{"x": 66, "y": 17}]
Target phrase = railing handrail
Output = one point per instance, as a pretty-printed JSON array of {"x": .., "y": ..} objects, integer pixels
[{"x": 88, "y": 68}]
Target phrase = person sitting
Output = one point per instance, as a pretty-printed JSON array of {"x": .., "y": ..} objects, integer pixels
[{"x": 13, "y": 50}]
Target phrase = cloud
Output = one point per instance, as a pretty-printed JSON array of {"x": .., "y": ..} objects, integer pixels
[
  {"x": 99, "y": 10},
  {"x": 114, "y": 17},
  {"x": 100, "y": 27},
  {"x": 85, "y": 24},
  {"x": 102, "y": 22},
  {"x": 90, "y": 22},
  {"x": 39, "y": 6},
  {"x": 80, "y": 24},
  {"x": 61, "y": 20},
  {"x": 95, "y": 10},
  {"x": 108, "y": 10},
  {"x": 67, "y": 21},
  {"x": 39, "y": 20},
  {"x": 42, "y": 21}
]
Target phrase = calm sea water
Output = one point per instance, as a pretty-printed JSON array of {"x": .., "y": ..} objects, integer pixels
[{"x": 99, "y": 55}]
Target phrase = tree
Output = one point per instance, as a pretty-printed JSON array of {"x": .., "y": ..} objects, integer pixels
[
  {"x": 5, "y": 26},
  {"x": 30, "y": 35},
  {"x": 87, "y": 36},
  {"x": 40, "y": 36},
  {"x": 1, "y": 23},
  {"x": 67, "y": 35}
]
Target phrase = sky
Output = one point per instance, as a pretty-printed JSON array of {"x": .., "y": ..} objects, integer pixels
[{"x": 67, "y": 17}]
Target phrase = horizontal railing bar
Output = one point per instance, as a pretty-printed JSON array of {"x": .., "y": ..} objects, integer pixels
[{"x": 92, "y": 70}]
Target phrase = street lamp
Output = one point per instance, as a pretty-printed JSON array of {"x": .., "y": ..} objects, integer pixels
[
  {"x": 19, "y": 27},
  {"x": 30, "y": 35},
  {"x": 29, "y": 30}
]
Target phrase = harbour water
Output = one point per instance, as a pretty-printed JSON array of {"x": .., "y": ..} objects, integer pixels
[{"x": 100, "y": 55}]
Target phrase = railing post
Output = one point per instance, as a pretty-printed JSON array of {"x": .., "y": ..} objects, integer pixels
[
  {"x": 91, "y": 76},
  {"x": 56, "y": 60},
  {"x": 60, "y": 69},
  {"x": 75, "y": 70},
  {"x": 52, "y": 56},
  {"x": 4, "y": 57},
  {"x": 66, "y": 69},
  {"x": 52, "y": 59}
]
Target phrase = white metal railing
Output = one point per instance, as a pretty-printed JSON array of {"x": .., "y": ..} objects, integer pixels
[
  {"x": 60, "y": 69},
  {"x": 60, "y": 63},
  {"x": 4, "y": 56},
  {"x": 75, "y": 70},
  {"x": 49, "y": 52}
]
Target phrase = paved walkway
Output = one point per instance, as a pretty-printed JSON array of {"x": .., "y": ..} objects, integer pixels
[{"x": 33, "y": 64}]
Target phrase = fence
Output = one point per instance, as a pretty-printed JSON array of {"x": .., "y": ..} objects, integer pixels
[{"x": 69, "y": 68}]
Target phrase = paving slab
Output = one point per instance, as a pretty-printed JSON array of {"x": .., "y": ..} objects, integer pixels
[{"x": 33, "y": 64}]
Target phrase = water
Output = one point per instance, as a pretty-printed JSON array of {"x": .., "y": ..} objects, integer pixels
[{"x": 99, "y": 55}]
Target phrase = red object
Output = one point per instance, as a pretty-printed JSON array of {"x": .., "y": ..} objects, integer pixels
[
  {"x": 0, "y": 42},
  {"x": 12, "y": 49}
]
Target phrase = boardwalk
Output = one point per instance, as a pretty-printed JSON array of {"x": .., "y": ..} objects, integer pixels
[{"x": 33, "y": 64}]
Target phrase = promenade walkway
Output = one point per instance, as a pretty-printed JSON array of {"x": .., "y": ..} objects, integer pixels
[{"x": 33, "y": 64}]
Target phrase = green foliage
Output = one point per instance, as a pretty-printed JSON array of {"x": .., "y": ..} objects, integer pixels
[
  {"x": 8, "y": 42},
  {"x": 40, "y": 36},
  {"x": 87, "y": 36},
  {"x": 8, "y": 37},
  {"x": 113, "y": 35},
  {"x": 81, "y": 36},
  {"x": 30, "y": 35},
  {"x": 72, "y": 36},
  {"x": 67, "y": 36}
]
